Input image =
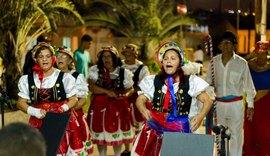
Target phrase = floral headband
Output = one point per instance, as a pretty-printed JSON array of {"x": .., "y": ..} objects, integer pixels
[
  {"x": 262, "y": 46},
  {"x": 65, "y": 50},
  {"x": 130, "y": 48},
  {"x": 39, "y": 45},
  {"x": 109, "y": 48},
  {"x": 170, "y": 46}
]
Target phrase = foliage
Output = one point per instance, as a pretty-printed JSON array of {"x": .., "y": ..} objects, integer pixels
[
  {"x": 146, "y": 22},
  {"x": 19, "y": 19},
  {"x": 153, "y": 67}
]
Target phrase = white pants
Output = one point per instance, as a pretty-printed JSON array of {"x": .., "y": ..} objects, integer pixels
[{"x": 231, "y": 114}]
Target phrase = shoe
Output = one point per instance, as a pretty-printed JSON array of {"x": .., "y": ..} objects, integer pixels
[{"x": 125, "y": 153}]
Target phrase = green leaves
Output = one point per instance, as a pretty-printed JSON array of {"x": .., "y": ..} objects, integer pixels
[
  {"x": 22, "y": 18},
  {"x": 146, "y": 22}
]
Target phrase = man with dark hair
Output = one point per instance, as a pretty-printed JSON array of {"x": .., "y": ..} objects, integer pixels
[
  {"x": 229, "y": 74},
  {"x": 82, "y": 55},
  {"x": 21, "y": 139}
]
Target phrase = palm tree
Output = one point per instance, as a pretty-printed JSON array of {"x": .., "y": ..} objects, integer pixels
[
  {"x": 147, "y": 22},
  {"x": 19, "y": 19}
]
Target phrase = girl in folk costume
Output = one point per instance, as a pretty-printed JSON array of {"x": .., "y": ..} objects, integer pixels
[
  {"x": 174, "y": 96},
  {"x": 109, "y": 112},
  {"x": 64, "y": 61},
  {"x": 49, "y": 90},
  {"x": 256, "y": 132}
]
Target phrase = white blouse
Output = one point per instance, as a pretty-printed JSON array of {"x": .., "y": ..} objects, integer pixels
[
  {"x": 144, "y": 71},
  {"x": 82, "y": 86},
  {"x": 48, "y": 82},
  {"x": 128, "y": 82},
  {"x": 196, "y": 86}
]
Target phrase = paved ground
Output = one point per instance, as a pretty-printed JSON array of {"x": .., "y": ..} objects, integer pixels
[{"x": 19, "y": 116}]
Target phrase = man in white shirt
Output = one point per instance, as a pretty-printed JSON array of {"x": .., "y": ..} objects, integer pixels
[{"x": 231, "y": 78}]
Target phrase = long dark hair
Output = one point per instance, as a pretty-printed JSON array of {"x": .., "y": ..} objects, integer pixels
[
  {"x": 28, "y": 64},
  {"x": 116, "y": 60},
  {"x": 178, "y": 72}
]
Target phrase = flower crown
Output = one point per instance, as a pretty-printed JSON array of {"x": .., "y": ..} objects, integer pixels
[
  {"x": 65, "y": 50},
  {"x": 42, "y": 44},
  {"x": 109, "y": 48},
  {"x": 170, "y": 46},
  {"x": 130, "y": 48}
]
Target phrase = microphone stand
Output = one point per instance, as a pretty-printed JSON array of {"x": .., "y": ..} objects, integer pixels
[
  {"x": 224, "y": 151},
  {"x": 2, "y": 113},
  {"x": 4, "y": 99}
]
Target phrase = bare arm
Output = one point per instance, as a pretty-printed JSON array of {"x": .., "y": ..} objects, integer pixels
[
  {"x": 72, "y": 101},
  {"x": 81, "y": 102},
  {"x": 22, "y": 104},
  {"x": 99, "y": 90},
  {"x": 140, "y": 103},
  {"x": 207, "y": 103},
  {"x": 129, "y": 92}
]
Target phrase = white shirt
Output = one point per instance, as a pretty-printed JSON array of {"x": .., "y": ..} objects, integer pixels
[
  {"x": 196, "y": 87},
  {"x": 81, "y": 85},
  {"x": 232, "y": 79},
  {"x": 128, "y": 82},
  {"x": 144, "y": 71},
  {"x": 48, "y": 82}
]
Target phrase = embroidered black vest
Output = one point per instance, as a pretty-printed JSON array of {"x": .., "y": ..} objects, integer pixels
[
  {"x": 75, "y": 74},
  {"x": 116, "y": 84},
  {"x": 136, "y": 76},
  {"x": 54, "y": 94},
  {"x": 183, "y": 100}
]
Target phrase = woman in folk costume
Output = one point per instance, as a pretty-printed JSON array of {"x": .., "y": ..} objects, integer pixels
[
  {"x": 65, "y": 62},
  {"x": 256, "y": 132},
  {"x": 139, "y": 70},
  {"x": 109, "y": 113},
  {"x": 48, "y": 90},
  {"x": 173, "y": 95}
]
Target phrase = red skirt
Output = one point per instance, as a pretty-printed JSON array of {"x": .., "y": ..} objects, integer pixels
[
  {"x": 148, "y": 142},
  {"x": 110, "y": 120},
  {"x": 136, "y": 115},
  {"x": 83, "y": 135},
  {"x": 70, "y": 143},
  {"x": 257, "y": 132}
]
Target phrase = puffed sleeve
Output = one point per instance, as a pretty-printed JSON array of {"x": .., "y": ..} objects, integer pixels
[
  {"x": 128, "y": 81},
  {"x": 93, "y": 73},
  {"x": 196, "y": 85},
  {"x": 144, "y": 72},
  {"x": 147, "y": 86},
  {"x": 82, "y": 87},
  {"x": 191, "y": 68},
  {"x": 23, "y": 87},
  {"x": 69, "y": 85}
]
